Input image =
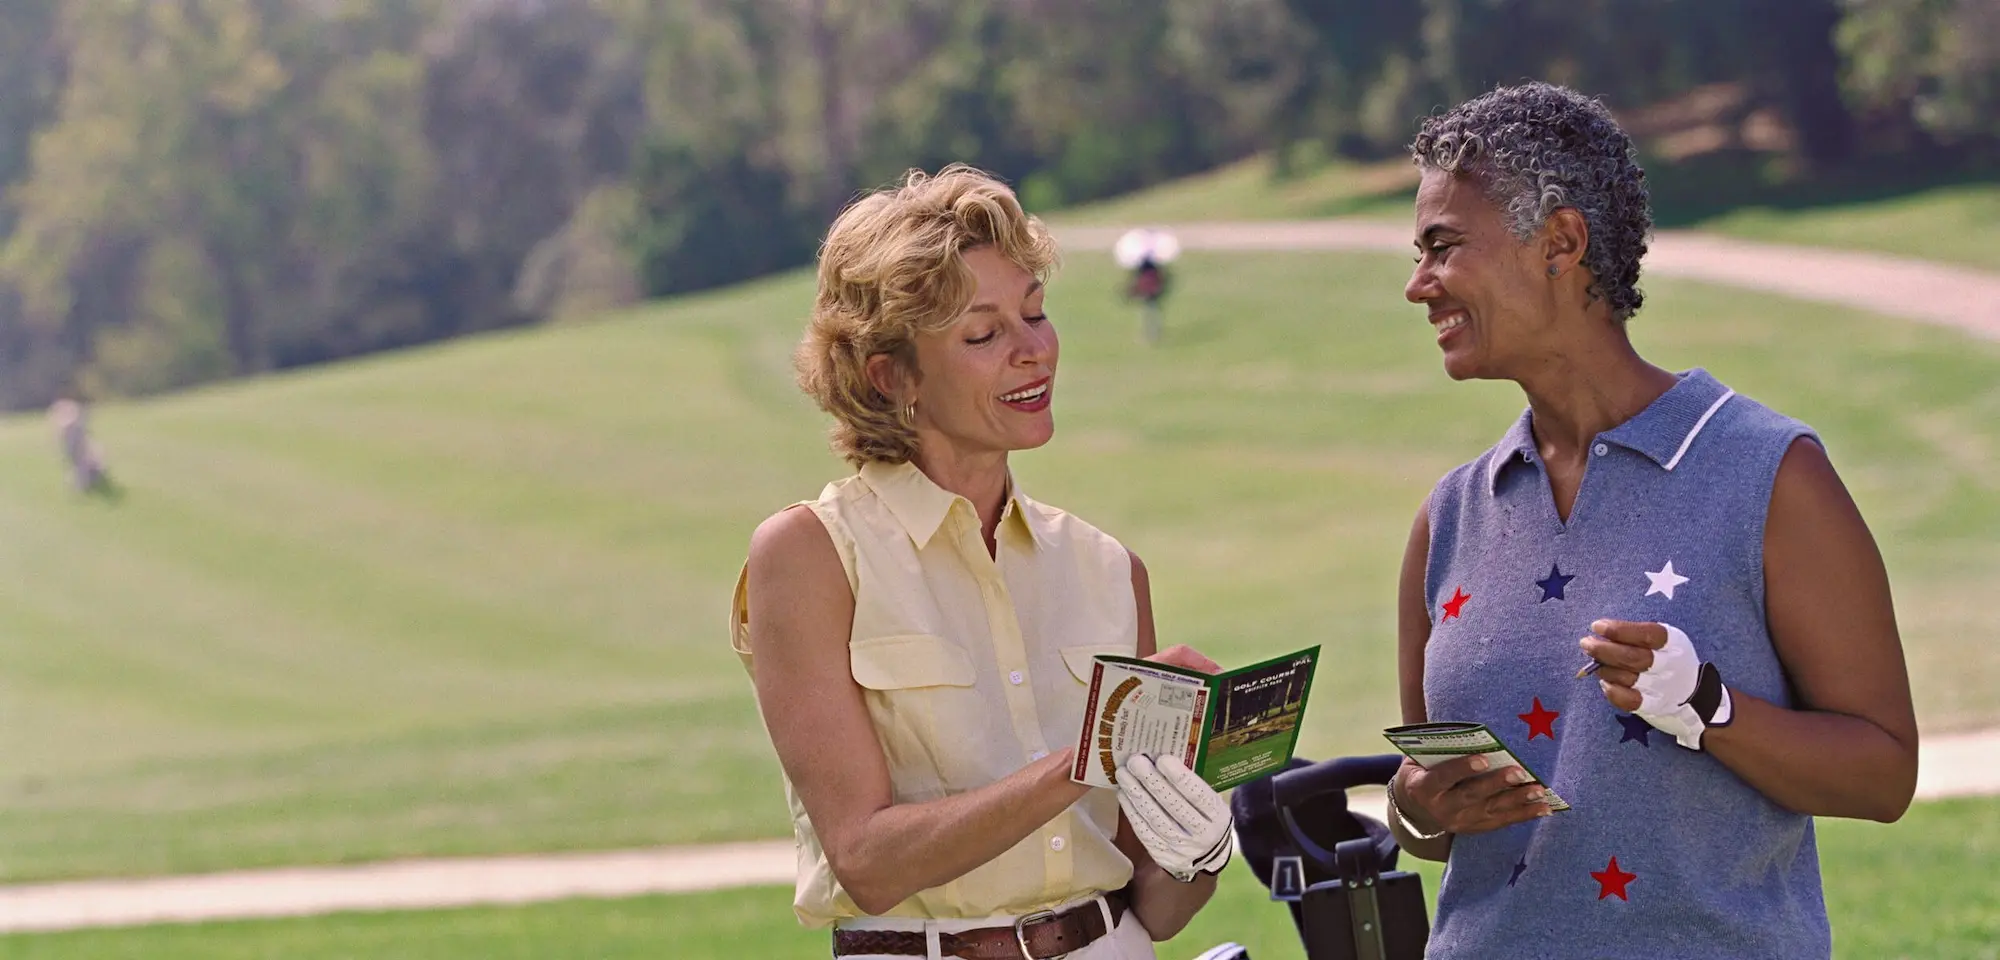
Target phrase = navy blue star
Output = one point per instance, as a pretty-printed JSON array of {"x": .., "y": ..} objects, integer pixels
[
  {"x": 1519, "y": 868},
  {"x": 1552, "y": 588},
  {"x": 1636, "y": 728}
]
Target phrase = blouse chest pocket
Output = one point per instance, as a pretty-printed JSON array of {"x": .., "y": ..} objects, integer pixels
[
  {"x": 1065, "y": 716},
  {"x": 908, "y": 661},
  {"x": 1081, "y": 660},
  {"x": 921, "y": 696}
]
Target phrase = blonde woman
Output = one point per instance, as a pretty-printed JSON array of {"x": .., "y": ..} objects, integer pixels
[{"x": 919, "y": 637}]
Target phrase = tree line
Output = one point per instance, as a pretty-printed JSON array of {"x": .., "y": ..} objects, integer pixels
[{"x": 203, "y": 189}]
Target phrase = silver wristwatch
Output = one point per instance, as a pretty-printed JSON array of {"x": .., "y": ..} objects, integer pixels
[{"x": 1396, "y": 812}]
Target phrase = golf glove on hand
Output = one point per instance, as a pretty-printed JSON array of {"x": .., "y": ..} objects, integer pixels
[
  {"x": 1183, "y": 822},
  {"x": 1680, "y": 695}
]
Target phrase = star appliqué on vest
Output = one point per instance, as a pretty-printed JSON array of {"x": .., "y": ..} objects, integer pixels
[
  {"x": 1664, "y": 580},
  {"x": 1456, "y": 605},
  {"x": 1611, "y": 881},
  {"x": 1552, "y": 586},
  {"x": 1541, "y": 721},
  {"x": 1636, "y": 728}
]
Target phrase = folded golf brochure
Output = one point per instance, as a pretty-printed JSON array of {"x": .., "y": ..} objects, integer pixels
[
  {"x": 1430, "y": 744},
  {"x": 1227, "y": 727}
]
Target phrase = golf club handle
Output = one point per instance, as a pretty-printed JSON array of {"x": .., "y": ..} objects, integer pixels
[{"x": 1328, "y": 776}]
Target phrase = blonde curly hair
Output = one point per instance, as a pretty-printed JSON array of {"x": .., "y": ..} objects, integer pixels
[{"x": 890, "y": 268}]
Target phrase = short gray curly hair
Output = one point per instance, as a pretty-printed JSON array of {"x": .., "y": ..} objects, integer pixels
[{"x": 1538, "y": 147}]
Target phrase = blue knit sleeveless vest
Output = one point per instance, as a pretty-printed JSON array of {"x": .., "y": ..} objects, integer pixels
[{"x": 1666, "y": 852}]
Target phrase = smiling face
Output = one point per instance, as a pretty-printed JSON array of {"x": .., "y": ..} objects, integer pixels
[
  {"x": 1487, "y": 294},
  {"x": 986, "y": 382}
]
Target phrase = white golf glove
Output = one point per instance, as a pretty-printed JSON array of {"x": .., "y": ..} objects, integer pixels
[
  {"x": 1679, "y": 694},
  {"x": 1183, "y": 822}
]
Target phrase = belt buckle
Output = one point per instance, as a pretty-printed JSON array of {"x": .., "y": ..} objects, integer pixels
[{"x": 1021, "y": 925}]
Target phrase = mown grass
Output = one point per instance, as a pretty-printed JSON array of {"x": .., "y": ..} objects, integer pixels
[
  {"x": 471, "y": 599},
  {"x": 1921, "y": 889}
]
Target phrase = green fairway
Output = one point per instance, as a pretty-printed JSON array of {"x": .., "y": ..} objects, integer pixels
[
  {"x": 1954, "y": 222},
  {"x": 1918, "y": 889},
  {"x": 472, "y": 598}
]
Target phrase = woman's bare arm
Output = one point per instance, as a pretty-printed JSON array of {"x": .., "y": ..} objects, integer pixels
[
  {"x": 1848, "y": 748},
  {"x": 1413, "y": 633},
  {"x": 801, "y": 611},
  {"x": 1163, "y": 905}
]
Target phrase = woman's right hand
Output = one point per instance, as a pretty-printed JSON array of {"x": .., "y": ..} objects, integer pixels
[
  {"x": 1464, "y": 796},
  {"x": 1182, "y": 655}
]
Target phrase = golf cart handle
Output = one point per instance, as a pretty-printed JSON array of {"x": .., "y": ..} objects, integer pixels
[{"x": 1298, "y": 786}]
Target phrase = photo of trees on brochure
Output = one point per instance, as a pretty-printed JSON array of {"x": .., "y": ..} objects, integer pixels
[{"x": 1228, "y": 728}]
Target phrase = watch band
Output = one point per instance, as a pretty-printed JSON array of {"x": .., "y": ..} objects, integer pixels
[
  {"x": 1711, "y": 704},
  {"x": 1709, "y": 695}
]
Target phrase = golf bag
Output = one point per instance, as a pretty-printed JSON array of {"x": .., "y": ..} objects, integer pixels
[{"x": 1333, "y": 868}]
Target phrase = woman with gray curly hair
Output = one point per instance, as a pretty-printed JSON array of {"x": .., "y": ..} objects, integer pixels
[
  {"x": 920, "y": 637},
  {"x": 1729, "y": 599}
]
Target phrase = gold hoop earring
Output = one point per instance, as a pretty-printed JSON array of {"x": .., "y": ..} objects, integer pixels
[{"x": 910, "y": 415}]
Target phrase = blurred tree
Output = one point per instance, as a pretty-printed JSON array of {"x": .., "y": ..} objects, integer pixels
[
  {"x": 1108, "y": 101},
  {"x": 718, "y": 194},
  {"x": 33, "y": 67},
  {"x": 1924, "y": 71},
  {"x": 955, "y": 102},
  {"x": 35, "y": 359},
  {"x": 527, "y": 107},
  {"x": 207, "y": 158},
  {"x": 1359, "y": 93},
  {"x": 300, "y": 182},
  {"x": 204, "y": 188},
  {"x": 1798, "y": 71},
  {"x": 159, "y": 136}
]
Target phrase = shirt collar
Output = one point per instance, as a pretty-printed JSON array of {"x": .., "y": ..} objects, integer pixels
[
  {"x": 1662, "y": 432},
  {"x": 1667, "y": 427},
  {"x": 1516, "y": 446},
  {"x": 921, "y": 506}
]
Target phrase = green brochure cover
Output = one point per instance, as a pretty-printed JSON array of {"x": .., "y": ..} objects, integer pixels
[{"x": 1228, "y": 727}]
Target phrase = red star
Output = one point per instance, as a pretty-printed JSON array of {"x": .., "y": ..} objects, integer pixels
[
  {"x": 1612, "y": 881},
  {"x": 1541, "y": 721},
  {"x": 1456, "y": 603}
]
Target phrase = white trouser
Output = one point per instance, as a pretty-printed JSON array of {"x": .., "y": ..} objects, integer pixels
[{"x": 1129, "y": 942}]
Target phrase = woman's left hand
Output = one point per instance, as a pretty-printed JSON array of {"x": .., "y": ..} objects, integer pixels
[
  {"x": 1181, "y": 655},
  {"x": 1183, "y": 822},
  {"x": 1653, "y": 671},
  {"x": 1623, "y": 651}
]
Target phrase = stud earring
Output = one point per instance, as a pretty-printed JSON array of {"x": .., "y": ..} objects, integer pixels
[{"x": 1553, "y": 270}]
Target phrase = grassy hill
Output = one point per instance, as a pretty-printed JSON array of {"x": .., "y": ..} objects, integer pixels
[
  {"x": 472, "y": 598},
  {"x": 1952, "y": 219}
]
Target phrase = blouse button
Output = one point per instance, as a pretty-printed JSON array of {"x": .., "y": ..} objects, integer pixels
[
  {"x": 1056, "y": 843},
  {"x": 1016, "y": 677},
  {"x": 1600, "y": 449}
]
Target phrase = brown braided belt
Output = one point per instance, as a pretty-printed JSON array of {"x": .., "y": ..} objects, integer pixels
[{"x": 1036, "y": 936}]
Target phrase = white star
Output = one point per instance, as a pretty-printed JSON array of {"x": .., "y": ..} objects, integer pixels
[{"x": 1664, "y": 581}]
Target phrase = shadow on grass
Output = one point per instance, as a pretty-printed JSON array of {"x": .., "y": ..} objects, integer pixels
[
  {"x": 1690, "y": 192},
  {"x": 1693, "y": 191}
]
